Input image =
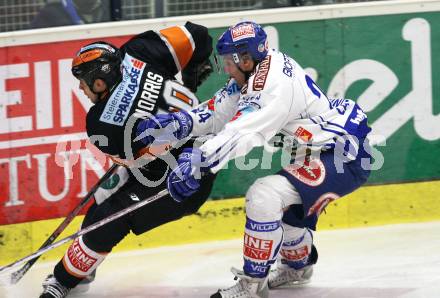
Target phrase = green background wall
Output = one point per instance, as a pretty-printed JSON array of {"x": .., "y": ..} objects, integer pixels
[{"x": 329, "y": 45}]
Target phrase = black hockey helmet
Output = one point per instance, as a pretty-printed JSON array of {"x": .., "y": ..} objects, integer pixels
[{"x": 98, "y": 60}]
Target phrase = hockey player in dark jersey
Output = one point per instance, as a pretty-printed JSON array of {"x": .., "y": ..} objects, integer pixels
[{"x": 127, "y": 85}]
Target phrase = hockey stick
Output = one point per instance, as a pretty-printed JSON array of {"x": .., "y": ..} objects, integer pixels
[
  {"x": 90, "y": 228},
  {"x": 17, "y": 275}
]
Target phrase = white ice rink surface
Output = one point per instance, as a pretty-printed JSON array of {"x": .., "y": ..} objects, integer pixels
[{"x": 390, "y": 261}]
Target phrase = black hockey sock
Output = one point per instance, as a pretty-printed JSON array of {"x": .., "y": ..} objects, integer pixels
[{"x": 64, "y": 277}]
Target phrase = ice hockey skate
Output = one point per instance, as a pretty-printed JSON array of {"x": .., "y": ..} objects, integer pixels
[
  {"x": 84, "y": 285},
  {"x": 247, "y": 287},
  {"x": 53, "y": 289},
  {"x": 284, "y": 276}
]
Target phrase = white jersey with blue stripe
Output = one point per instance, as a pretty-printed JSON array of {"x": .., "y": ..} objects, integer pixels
[{"x": 278, "y": 98}]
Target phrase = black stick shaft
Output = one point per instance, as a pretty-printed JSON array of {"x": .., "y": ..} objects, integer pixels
[
  {"x": 90, "y": 228},
  {"x": 16, "y": 276}
]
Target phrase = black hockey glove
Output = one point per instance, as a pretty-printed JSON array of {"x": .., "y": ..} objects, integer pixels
[{"x": 193, "y": 77}]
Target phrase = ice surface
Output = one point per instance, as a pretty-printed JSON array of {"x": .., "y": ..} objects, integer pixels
[{"x": 389, "y": 261}]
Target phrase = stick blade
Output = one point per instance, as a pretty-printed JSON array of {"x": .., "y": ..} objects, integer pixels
[
  {"x": 6, "y": 279},
  {"x": 17, "y": 275},
  {"x": 10, "y": 277}
]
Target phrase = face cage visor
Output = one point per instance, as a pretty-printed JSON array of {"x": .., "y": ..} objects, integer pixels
[{"x": 228, "y": 63}]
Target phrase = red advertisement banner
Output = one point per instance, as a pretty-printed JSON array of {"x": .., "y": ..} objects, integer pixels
[{"x": 46, "y": 164}]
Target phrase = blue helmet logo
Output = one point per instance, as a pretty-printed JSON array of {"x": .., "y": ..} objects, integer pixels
[{"x": 244, "y": 37}]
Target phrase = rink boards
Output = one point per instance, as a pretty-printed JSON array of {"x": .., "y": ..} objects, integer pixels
[
  {"x": 42, "y": 111},
  {"x": 224, "y": 219}
]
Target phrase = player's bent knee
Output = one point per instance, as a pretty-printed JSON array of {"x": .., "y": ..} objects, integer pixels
[
  {"x": 106, "y": 237},
  {"x": 263, "y": 200}
]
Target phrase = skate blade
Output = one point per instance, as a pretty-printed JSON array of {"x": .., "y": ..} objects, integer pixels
[
  {"x": 80, "y": 289},
  {"x": 290, "y": 284}
]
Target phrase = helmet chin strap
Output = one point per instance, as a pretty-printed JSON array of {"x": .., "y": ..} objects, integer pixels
[
  {"x": 247, "y": 74},
  {"x": 100, "y": 94}
]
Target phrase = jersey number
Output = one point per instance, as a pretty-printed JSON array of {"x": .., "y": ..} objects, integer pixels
[
  {"x": 314, "y": 88},
  {"x": 178, "y": 97},
  {"x": 203, "y": 113}
]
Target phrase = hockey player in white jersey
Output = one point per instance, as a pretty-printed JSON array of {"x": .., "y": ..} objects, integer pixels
[{"x": 270, "y": 97}]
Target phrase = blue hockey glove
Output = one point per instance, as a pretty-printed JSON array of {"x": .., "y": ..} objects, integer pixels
[
  {"x": 164, "y": 128},
  {"x": 184, "y": 180}
]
